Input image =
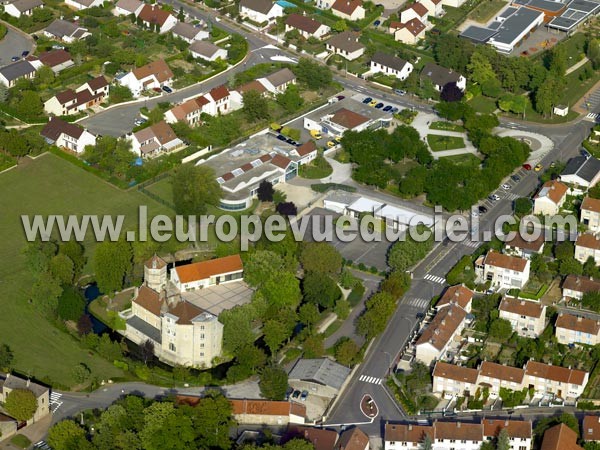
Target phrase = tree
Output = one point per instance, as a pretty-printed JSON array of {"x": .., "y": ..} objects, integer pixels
[
  {"x": 593, "y": 53},
  {"x": 45, "y": 75},
  {"x": 147, "y": 351},
  {"x": 340, "y": 26},
  {"x": 287, "y": 209},
  {"x": 427, "y": 443},
  {"x": 181, "y": 15},
  {"x": 564, "y": 250},
  {"x": 591, "y": 300},
  {"x": 500, "y": 329},
  {"x": 21, "y": 404},
  {"x": 45, "y": 293},
  {"x": 290, "y": 100},
  {"x": 312, "y": 74},
  {"x": 480, "y": 68},
  {"x": 273, "y": 382},
  {"x": 212, "y": 421},
  {"x": 275, "y": 333},
  {"x": 406, "y": 253},
  {"x": 71, "y": 304},
  {"x": 396, "y": 283},
  {"x": 345, "y": 351},
  {"x": 523, "y": 206},
  {"x": 282, "y": 290},
  {"x": 6, "y": 357},
  {"x": 261, "y": 266},
  {"x": 29, "y": 104},
  {"x": 112, "y": 261},
  {"x": 452, "y": 110},
  {"x": 320, "y": 289},
  {"x": 195, "y": 188},
  {"x": 503, "y": 442},
  {"x": 451, "y": 93},
  {"x": 65, "y": 435},
  {"x": 74, "y": 250},
  {"x": 81, "y": 373},
  {"x": 313, "y": 346},
  {"x": 251, "y": 357},
  {"x": 84, "y": 325},
  {"x": 256, "y": 107},
  {"x": 321, "y": 257},
  {"x": 265, "y": 191},
  {"x": 308, "y": 314}
]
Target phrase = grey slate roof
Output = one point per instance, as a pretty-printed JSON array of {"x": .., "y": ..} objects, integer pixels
[
  {"x": 281, "y": 77},
  {"x": 261, "y": 6},
  {"x": 145, "y": 328},
  {"x": 347, "y": 41},
  {"x": 17, "y": 70},
  {"x": 60, "y": 28},
  {"x": 204, "y": 48},
  {"x": 585, "y": 168},
  {"x": 186, "y": 30},
  {"x": 393, "y": 62},
  {"x": 440, "y": 75},
  {"x": 13, "y": 382},
  {"x": 514, "y": 25},
  {"x": 26, "y": 5},
  {"x": 322, "y": 371}
]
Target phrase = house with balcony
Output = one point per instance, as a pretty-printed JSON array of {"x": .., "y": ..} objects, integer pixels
[
  {"x": 573, "y": 329},
  {"x": 502, "y": 271},
  {"x": 527, "y": 318}
]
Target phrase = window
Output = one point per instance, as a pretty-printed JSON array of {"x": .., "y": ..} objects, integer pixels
[
  {"x": 201, "y": 353},
  {"x": 202, "y": 327},
  {"x": 202, "y": 345},
  {"x": 171, "y": 346},
  {"x": 202, "y": 336}
]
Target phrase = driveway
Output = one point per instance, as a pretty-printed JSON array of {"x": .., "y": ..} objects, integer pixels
[{"x": 13, "y": 44}]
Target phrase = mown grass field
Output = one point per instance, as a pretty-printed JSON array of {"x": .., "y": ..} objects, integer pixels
[{"x": 51, "y": 185}]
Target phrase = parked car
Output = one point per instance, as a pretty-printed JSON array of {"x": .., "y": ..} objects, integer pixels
[
  {"x": 281, "y": 137},
  {"x": 14, "y": 58},
  {"x": 515, "y": 178},
  {"x": 474, "y": 213},
  {"x": 394, "y": 110},
  {"x": 527, "y": 166},
  {"x": 538, "y": 167},
  {"x": 377, "y": 23},
  {"x": 387, "y": 108},
  {"x": 420, "y": 316},
  {"x": 316, "y": 134},
  {"x": 303, "y": 396},
  {"x": 506, "y": 187},
  {"x": 373, "y": 103},
  {"x": 58, "y": 47},
  {"x": 553, "y": 164},
  {"x": 379, "y": 105},
  {"x": 25, "y": 53},
  {"x": 400, "y": 91},
  {"x": 494, "y": 197},
  {"x": 295, "y": 395},
  {"x": 367, "y": 100},
  {"x": 167, "y": 89},
  {"x": 341, "y": 97},
  {"x": 289, "y": 392},
  {"x": 330, "y": 144},
  {"x": 482, "y": 209},
  {"x": 290, "y": 141}
]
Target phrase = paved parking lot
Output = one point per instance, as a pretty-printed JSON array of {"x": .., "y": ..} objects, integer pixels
[
  {"x": 217, "y": 298},
  {"x": 13, "y": 44},
  {"x": 371, "y": 254}
]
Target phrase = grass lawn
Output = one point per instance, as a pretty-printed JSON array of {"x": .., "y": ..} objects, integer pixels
[
  {"x": 439, "y": 143},
  {"x": 317, "y": 169},
  {"x": 404, "y": 166},
  {"x": 467, "y": 159},
  {"x": 575, "y": 89},
  {"x": 483, "y": 104},
  {"x": 20, "y": 441},
  {"x": 51, "y": 185},
  {"x": 446, "y": 126},
  {"x": 486, "y": 10}
]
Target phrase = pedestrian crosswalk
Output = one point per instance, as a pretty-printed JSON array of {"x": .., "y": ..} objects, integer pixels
[
  {"x": 435, "y": 279},
  {"x": 55, "y": 402},
  {"x": 372, "y": 380},
  {"x": 420, "y": 303},
  {"x": 592, "y": 116},
  {"x": 471, "y": 244},
  {"x": 510, "y": 196}
]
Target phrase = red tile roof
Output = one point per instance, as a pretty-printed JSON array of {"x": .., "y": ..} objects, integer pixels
[
  {"x": 281, "y": 161},
  {"x": 303, "y": 23},
  {"x": 588, "y": 240},
  {"x": 266, "y": 407},
  {"x": 459, "y": 431},
  {"x": 206, "y": 269},
  {"x": 419, "y": 8},
  {"x": 149, "y": 299},
  {"x": 348, "y": 119},
  {"x": 591, "y": 204},
  {"x": 55, "y": 57},
  {"x": 306, "y": 148},
  {"x": 501, "y": 372},
  {"x": 158, "y": 68},
  {"x": 555, "y": 373},
  {"x": 458, "y": 294},
  {"x": 407, "y": 432},
  {"x": 577, "y": 323},
  {"x": 320, "y": 438},
  {"x": 415, "y": 26},
  {"x": 154, "y": 14},
  {"x": 560, "y": 437},
  {"x": 442, "y": 327},
  {"x": 554, "y": 190},
  {"x": 219, "y": 93},
  {"x": 515, "y": 428},
  {"x": 522, "y": 307},
  {"x": 591, "y": 428},
  {"x": 346, "y": 6},
  {"x": 457, "y": 373},
  {"x": 353, "y": 439},
  {"x": 505, "y": 261},
  {"x": 581, "y": 284}
]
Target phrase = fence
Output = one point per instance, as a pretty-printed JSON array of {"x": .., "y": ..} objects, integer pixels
[
  {"x": 197, "y": 155},
  {"x": 142, "y": 188}
]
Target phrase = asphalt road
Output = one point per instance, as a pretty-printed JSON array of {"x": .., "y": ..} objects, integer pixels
[{"x": 13, "y": 44}]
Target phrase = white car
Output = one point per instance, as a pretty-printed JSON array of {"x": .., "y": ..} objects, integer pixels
[
  {"x": 506, "y": 187},
  {"x": 494, "y": 197}
]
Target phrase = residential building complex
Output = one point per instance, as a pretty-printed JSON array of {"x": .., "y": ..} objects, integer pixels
[
  {"x": 527, "y": 318},
  {"x": 502, "y": 271}
]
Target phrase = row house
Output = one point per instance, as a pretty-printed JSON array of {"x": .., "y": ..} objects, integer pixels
[
  {"x": 527, "y": 318},
  {"x": 572, "y": 329},
  {"x": 452, "y": 380},
  {"x": 587, "y": 246},
  {"x": 543, "y": 379},
  {"x": 590, "y": 214},
  {"x": 575, "y": 286},
  {"x": 190, "y": 111},
  {"x": 391, "y": 66},
  {"x": 351, "y": 10},
  {"x": 448, "y": 435},
  {"x": 67, "y": 135},
  {"x": 306, "y": 26},
  {"x": 155, "y": 140},
  {"x": 153, "y": 75},
  {"x": 502, "y": 271},
  {"x": 550, "y": 198},
  {"x": 88, "y": 95}
]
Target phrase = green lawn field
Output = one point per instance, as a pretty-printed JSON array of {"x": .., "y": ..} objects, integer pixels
[
  {"x": 51, "y": 185},
  {"x": 438, "y": 142}
]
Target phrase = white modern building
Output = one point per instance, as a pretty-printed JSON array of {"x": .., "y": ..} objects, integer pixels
[
  {"x": 502, "y": 271},
  {"x": 390, "y": 65},
  {"x": 67, "y": 135}
]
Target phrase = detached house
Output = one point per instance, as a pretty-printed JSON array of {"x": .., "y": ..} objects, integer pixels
[
  {"x": 502, "y": 271},
  {"x": 590, "y": 214},
  {"x": 351, "y": 10},
  {"x": 390, "y": 65},
  {"x": 128, "y": 7},
  {"x": 57, "y": 60},
  {"x": 20, "y": 8},
  {"x": 154, "y": 140},
  {"x": 65, "y": 31},
  {"x": 582, "y": 172},
  {"x": 346, "y": 44},
  {"x": 67, "y": 135},
  {"x": 410, "y": 32},
  {"x": 440, "y": 77},
  {"x": 527, "y": 318},
  {"x": 415, "y": 11},
  {"x": 10, "y": 382},
  {"x": 277, "y": 82},
  {"x": 188, "y": 111},
  {"x": 434, "y": 7},
  {"x": 456, "y": 295},
  {"x": 560, "y": 437},
  {"x": 153, "y": 16},
  {"x": 11, "y": 73},
  {"x": 207, "y": 51},
  {"x": 260, "y": 11},
  {"x": 550, "y": 198},
  {"x": 207, "y": 273},
  {"x": 306, "y": 26},
  {"x": 575, "y": 286},
  {"x": 153, "y": 75},
  {"x": 189, "y": 33},
  {"x": 84, "y": 4},
  {"x": 452, "y": 380},
  {"x": 571, "y": 329},
  {"x": 87, "y": 95},
  {"x": 587, "y": 246},
  {"x": 524, "y": 248}
]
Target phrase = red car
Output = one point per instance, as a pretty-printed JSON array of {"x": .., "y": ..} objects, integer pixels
[{"x": 527, "y": 166}]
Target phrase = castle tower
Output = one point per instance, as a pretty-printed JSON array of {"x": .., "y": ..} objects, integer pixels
[{"x": 155, "y": 273}]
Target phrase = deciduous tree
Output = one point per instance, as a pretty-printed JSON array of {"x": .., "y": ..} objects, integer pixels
[
  {"x": 273, "y": 382},
  {"x": 195, "y": 188},
  {"x": 21, "y": 404},
  {"x": 321, "y": 257},
  {"x": 112, "y": 261}
]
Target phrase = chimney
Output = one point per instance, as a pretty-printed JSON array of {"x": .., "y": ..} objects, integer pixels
[
  {"x": 457, "y": 424},
  {"x": 506, "y": 423},
  {"x": 410, "y": 427},
  {"x": 579, "y": 319},
  {"x": 28, "y": 382},
  {"x": 443, "y": 321},
  {"x": 522, "y": 302}
]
